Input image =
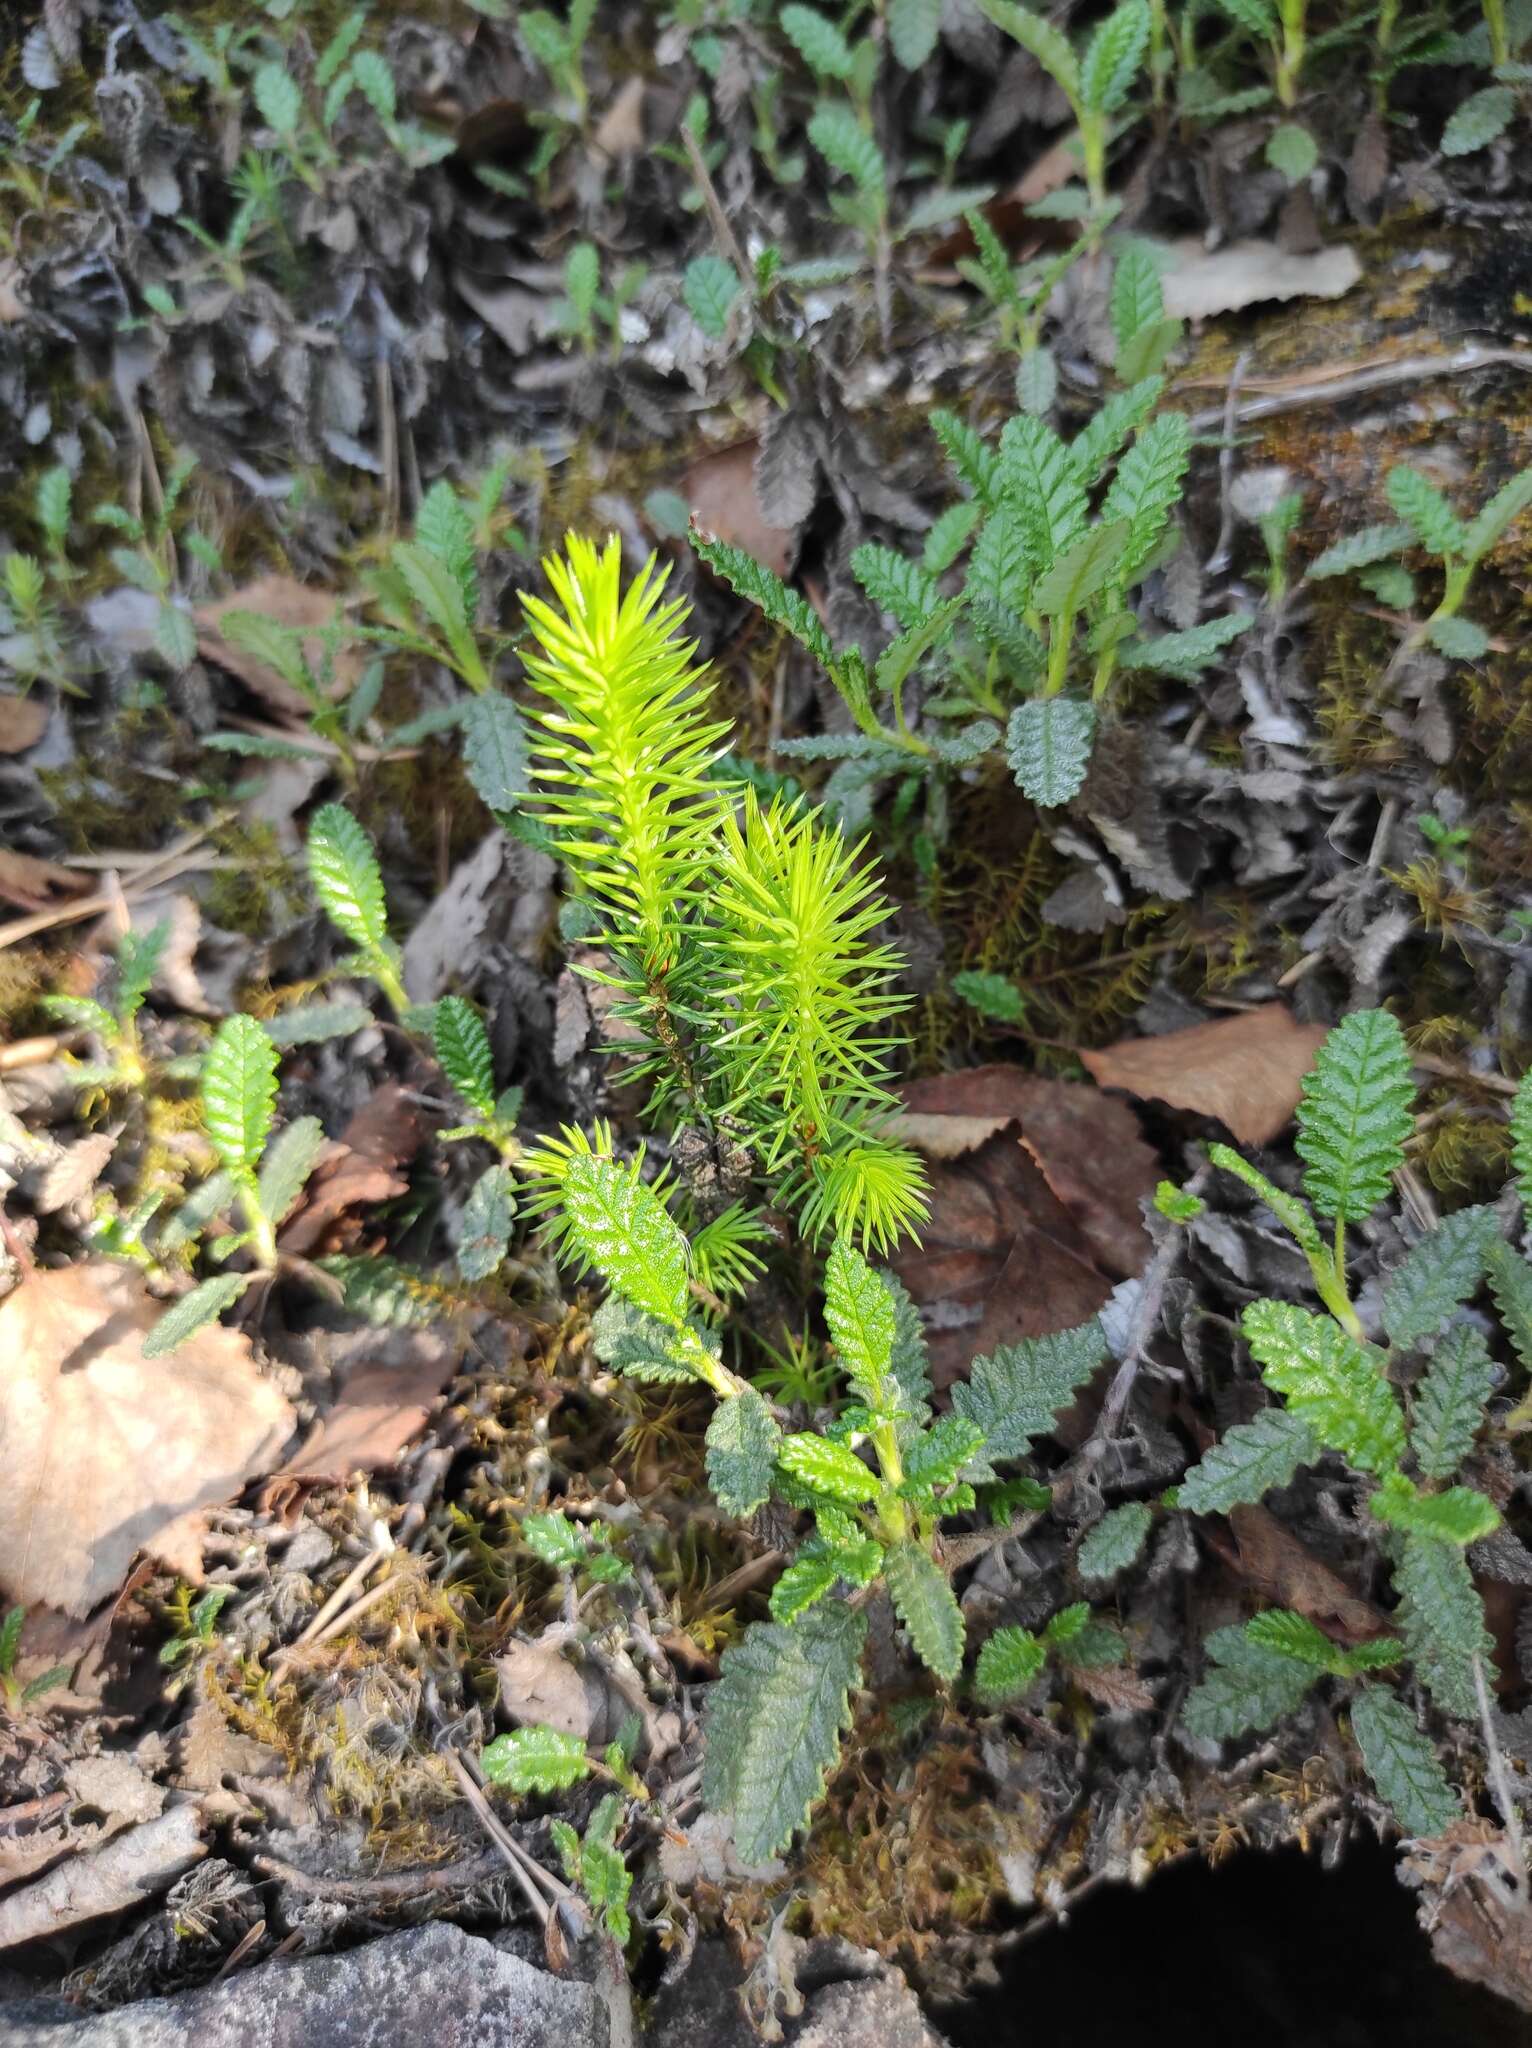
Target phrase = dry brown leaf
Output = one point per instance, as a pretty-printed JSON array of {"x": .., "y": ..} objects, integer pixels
[
  {"x": 107, "y": 1452},
  {"x": 74, "y": 1172},
  {"x": 357, "y": 1172},
  {"x": 1247, "y": 1070},
  {"x": 23, "y": 721},
  {"x": 1035, "y": 1208},
  {"x": 1473, "y": 1904},
  {"x": 719, "y": 490},
  {"x": 1281, "y": 1566},
  {"x": 33, "y": 884},
  {"x": 1116, "y": 1689},
  {"x": 380, "y": 1407},
  {"x": 289, "y": 603},
  {"x": 1201, "y": 282},
  {"x": 542, "y": 1687}
]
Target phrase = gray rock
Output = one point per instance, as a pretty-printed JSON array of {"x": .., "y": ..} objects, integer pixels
[
  {"x": 431, "y": 1987},
  {"x": 838, "y": 1997}
]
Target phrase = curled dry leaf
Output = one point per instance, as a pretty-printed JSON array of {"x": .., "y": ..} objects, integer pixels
[
  {"x": 33, "y": 884},
  {"x": 1247, "y": 1070},
  {"x": 357, "y": 1172},
  {"x": 109, "y": 1453},
  {"x": 1035, "y": 1207},
  {"x": 542, "y": 1687},
  {"x": 1201, "y": 282}
]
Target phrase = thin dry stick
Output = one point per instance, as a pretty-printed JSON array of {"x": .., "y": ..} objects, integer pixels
[
  {"x": 337, "y": 1600},
  {"x": 1223, "y": 547},
  {"x": 1499, "y": 1776},
  {"x": 1141, "y": 1329},
  {"x": 176, "y": 860},
  {"x": 382, "y": 1891},
  {"x": 1331, "y": 390},
  {"x": 522, "y": 1865},
  {"x": 718, "y": 220}
]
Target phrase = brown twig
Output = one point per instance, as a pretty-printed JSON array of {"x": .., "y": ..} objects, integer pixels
[{"x": 381, "y": 1891}]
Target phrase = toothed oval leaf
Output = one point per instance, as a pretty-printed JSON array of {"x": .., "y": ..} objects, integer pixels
[
  {"x": 1330, "y": 1381},
  {"x": 1450, "y": 1402},
  {"x": 925, "y": 1603},
  {"x": 239, "y": 1090},
  {"x": 1438, "y": 1274},
  {"x": 1401, "y": 1760},
  {"x": 1354, "y": 1115},
  {"x": 621, "y": 1227},
  {"x": 462, "y": 1046},
  {"x": 1248, "y": 1461},
  {"x": 347, "y": 879},
  {"x": 741, "y": 1449},
  {"x": 1115, "y": 1542},
  {"x": 1007, "y": 1665},
  {"x": 535, "y": 1760}
]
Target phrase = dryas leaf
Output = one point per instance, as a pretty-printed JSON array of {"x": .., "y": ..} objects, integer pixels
[
  {"x": 1329, "y": 1380},
  {"x": 1247, "y": 1688},
  {"x": 495, "y": 751},
  {"x": 535, "y": 1760},
  {"x": 827, "y": 1467},
  {"x": 290, "y": 1158},
  {"x": 1007, "y": 1665},
  {"x": 774, "y": 1721},
  {"x": 1115, "y": 1542},
  {"x": 1442, "y": 1620},
  {"x": 1355, "y": 1115},
  {"x": 484, "y": 1229},
  {"x": 1459, "y": 1514},
  {"x": 1014, "y": 1395},
  {"x": 194, "y": 1311},
  {"x": 1248, "y": 1461},
  {"x": 623, "y": 1229},
  {"x": 1438, "y": 1274},
  {"x": 1425, "y": 511},
  {"x": 347, "y": 879},
  {"x": 742, "y": 1440},
  {"x": 462, "y": 1046},
  {"x": 1450, "y": 1402},
  {"x": 924, "y": 1601},
  {"x": 239, "y": 1092},
  {"x": 1047, "y": 747},
  {"x": 859, "y": 1310},
  {"x": 1401, "y": 1761}
]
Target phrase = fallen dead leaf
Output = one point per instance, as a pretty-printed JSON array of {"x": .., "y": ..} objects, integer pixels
[
  {"x": 1199, "y": 283},
  {"x": 130, "y": 1868},
  {"x": 1113, "y": 1688},
  {"x": 359, "y": 1170},
  {"x": 1035, "y": 1208},
  {"x": 107, "y": 1452},
  {"x": 1473, "y": 1904},
  {"x": 74, "y": 1172},
  {"x": 33, "y": 884},
  {"x": 542, "y": 1687},
  {"x": 719, "y": 490},
  {"x": 381, "y": 1405},
  {"x": 1247, "y": 1070},
  {"x": 23, "y": 721},
  {"x": 289, "y": 603},
  {"x": 1281, "y": 1567}
]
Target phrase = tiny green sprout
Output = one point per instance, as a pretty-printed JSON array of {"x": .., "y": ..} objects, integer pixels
[
  {"x": 595, "y": 1864},
  {"x": 1445, "y": 838},
  {"x": 1177, "y": 1205},
  {"x": 193, "y": 1622},
  {"x": 12, "y": 1691}
]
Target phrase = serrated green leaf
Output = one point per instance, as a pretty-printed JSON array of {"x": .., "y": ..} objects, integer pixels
[
  {"x": 52, "y": 503},
  {"x": 290, "y": 1159},
  {"x": 484, "y": 1230},
  {"x": 239, "y": 1092},
  {"x": 1046, "y": 43},
  {"x": 859, "y": 1310},
  {"x": 1007, "y": 1665},
  {"x": 444, "y": 528},
  {"x": 347, "y": 880},
  {"x": 847, "y": 147},
  {"x": 1438, "y": 1274},
  {"x": 1480, "y": 120},
  {"x": 277, "y": 98},
  {"x": 622, "y": 1228},
  {"x": 1510, "y": 1282},
  {"x": 1294, "y": 1635},
  {"x": 1048, "y": 747},
  {"x": 774, "y": 1720},
  {"x": 991, "y": 995},
  {"x": 1137, "y": 297},
  {"x": 1147, "y": 486},
  {"x": 1083, "y": 569},
  {"x": 194, "y": 1311},
  {"x": 1014, "y": 1395},
  {"x": 138, "y": 961},
  {"x": 1442, "y": 1620},
  {"x": 827, "y": 1467},
  {"x": 1114, "y": 57},
  {"x": 1503, "y": 510},
  {"x": 1041, "y": 489},
  {"x": 313, "y": 1023},
  {"x": 742, "y": 1440},
  {"x": 1292, "y": 151},
  {"x": 811, "y": 1575},
  {"x": 913, "y": 26},
  {"x": 175, "y": 635},
  {"x": 924, "y": 1601},
  {"x": 1109, "y": 427},
  {"x": 1458, "y": 638},
  {"x": 1521, "y": 1139},
  {"x": 1037, "y": 381},
  {"x": 462, "y": 1046},
  {"x": 639, "y": 1346},
  {"x": 817, "y": 40},
  {"x": 1115, "y": 1542},
  {"x": 1458, "y": 1515},
  {"x": 948, "y": 537},
  {"x": 376, "y": 84},
  {"x": 895, "y": 584},
  {"x": 1402, "y": 1763},
  {"x": 769, "y": 593},
  {"x": 535, "y": 1760},
  {"x": 1185, "y": 655},
  {"x": 1258, "y": 16},
  {"x": 1450, "y": 1402},
  {"x": 973, "y": 460},
  {"x": 1248, "y": 1461},
  {"x": 554, "y": 1540},
  {"x": 1328, "y": 1379},
  {"x": 1247, "y": 1688},
  {"x": 1425, "y": 511},
  {"x": 1354, "y": 1115},
  {"x": 1360, "y": 550},
  {"x": 937, "y": 1456},
  {"x": 710, "y": 287}
]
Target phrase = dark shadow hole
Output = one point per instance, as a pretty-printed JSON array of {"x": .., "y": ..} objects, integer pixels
[{"x": 1266, "y": 1951}]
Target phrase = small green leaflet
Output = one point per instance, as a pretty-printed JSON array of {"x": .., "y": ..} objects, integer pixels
[
  {"x": 949, "y": 536},
  {"x": 495, "y": 752},
  {"x": 1482, "y": 117},
  {"x": 1248, "y": 1687},
  {"x": 554, "y": 1540},
  {"x": 774, "y": 1720},
  {"x": 462, "y": 1046},
  {"x": 1113, "y": 57},
  {"x": 1450, "y": 1402},
  {"x": 827, "y": 1467},
  {"x": 847, "y": 147},
  {"x": 1294, "y": 1635},
  {"x": 346, "y": 878},
  {"x": 239, "y": 1091},
  {"x": 1442, "y": 1619},
  {"x": 1423, "y": 508},
  {"x": 194, "y": 1311},
  {"x": 1115, "y": 1542},
  {"x": 756, "y": 583},
  {"x": 1440, "y": 1273},
  {"x": 1046, "y": 43},
  {"x": 1510, "y": 1282},
  {"x": 1503, "y": 510},
  {"x": 1328, "y": 1379},
  {"x": 1521, "y": 1139},
  {"x": 484, "y": 1229},
  {"x": 939, "y": 1454},
  {"x": 1137, "y": 300},
  {"x": 290, "y": 1159},
  {"x": 817, "y": 40},
  {"x": 992, "y": 995},
  {"x": 860, "y": 1313},
  {"x": 1014, "y": 1395},
  {"x": 924, "y": 1601},
  {"x": 1354, "y": 1115},
  {"x": 1248, "y": 1461},
  {"x": 1459, "y": 1514},
  {"x": 1185, "y": 655},
  {"x": 535, "y": 1760},
  {"x": 912, "y": 30},
  {"x": 1037, "y": 381},
  {"x": 444, "y": 528},
  {"x": 895, "y": 584},
  {"x": 1402, "y": 1763},
  {"x": 1047, "y": 747},
  {"x": 1361, "y": 550},
  {"x": 623, "y": 1229},
  {"x": 1007, "y": 1665},
  {"x": 812, "y": 1574},
  {"x": 976, "y": 464},
  {"x": 742, "y": 1441},
  {"x": 710, "y": 288},
  {"x": 1082, "y": 570},
  {"x": 1459, "y": 639},
  {"x": 277, "y": 99},
  {"x": 639, "y": 1346}
]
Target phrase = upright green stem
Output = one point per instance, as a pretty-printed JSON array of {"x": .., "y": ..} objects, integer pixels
[
  {"x": 1290, "y": 55},
  {"x": 1499, "y": 33},
  {"x": 891, "y": 1509},
  {"x": 263, "y": 1236},
  {"x": 1060, "y": 637}
]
